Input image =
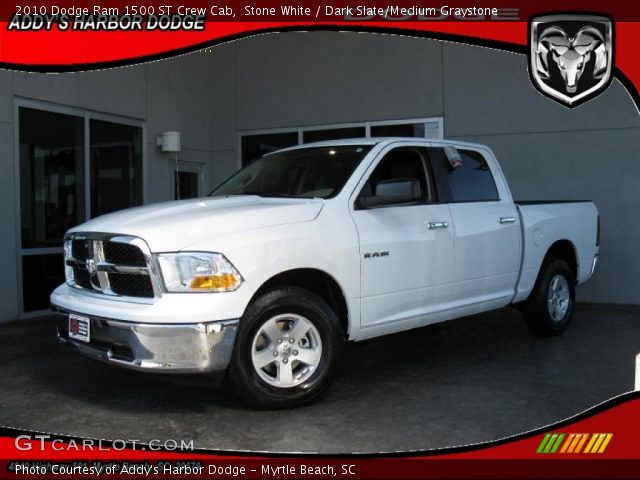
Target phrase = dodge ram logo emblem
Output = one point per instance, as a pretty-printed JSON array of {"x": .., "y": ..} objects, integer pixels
[
  {"x": 92, "y": 270},
  {"x": 571, "y": 56},
  {"x": 91, "y": 267}
]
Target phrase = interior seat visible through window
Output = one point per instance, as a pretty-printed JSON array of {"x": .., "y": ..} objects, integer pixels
[{"x": 399, "y": 164}]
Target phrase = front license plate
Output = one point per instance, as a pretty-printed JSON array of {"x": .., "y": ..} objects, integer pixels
[{"x": 79, "y": 328}]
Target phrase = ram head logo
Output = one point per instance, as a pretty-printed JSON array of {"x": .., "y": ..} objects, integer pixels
[
  {"x": 571, "y": 54},
  {"x": 570, "y": 57}
]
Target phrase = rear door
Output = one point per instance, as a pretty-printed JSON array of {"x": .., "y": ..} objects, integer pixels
[
  {"x": 407, "y": 249},
  {"x": 486, "y": 229}
]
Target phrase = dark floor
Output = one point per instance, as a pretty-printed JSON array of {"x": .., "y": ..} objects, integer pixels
[{"x": 466, "y": 381}]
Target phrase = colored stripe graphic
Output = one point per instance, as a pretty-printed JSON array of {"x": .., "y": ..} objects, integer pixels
[
  {"x": 581, "y": 443},
  {"x": 557, "y": 444},
  {"x": 591, "y": 442},
  {"x": 574, "y": 443},
  {"x": 568, "y": 442},
  {"x": 605, "y": 443},
  {"x": 543, "y": 443},
  {"x": 550, "y": 443}
]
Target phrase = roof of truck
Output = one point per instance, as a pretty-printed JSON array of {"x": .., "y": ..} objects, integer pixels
[{"x": 380, "y": 140}]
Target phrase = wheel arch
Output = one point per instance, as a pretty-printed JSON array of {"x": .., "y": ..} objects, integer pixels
[
  {"x": 314, "y": 280},
  {"x": 563, "y": 250}
]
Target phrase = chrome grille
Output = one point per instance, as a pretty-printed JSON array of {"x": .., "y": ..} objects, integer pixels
[
  {"x": 81, "y": 278},
  {"x": 116, "y": 265},
  {"x": 131, "y": 285},
  {"x": 124, "y": 254},
  {"x": 79, "y": 249}
]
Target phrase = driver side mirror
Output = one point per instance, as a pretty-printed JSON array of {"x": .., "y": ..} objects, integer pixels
[{"x": 393, "y": 191}]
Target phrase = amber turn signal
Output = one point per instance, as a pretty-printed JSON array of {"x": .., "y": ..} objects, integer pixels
[{"x": 225, "y": 281}]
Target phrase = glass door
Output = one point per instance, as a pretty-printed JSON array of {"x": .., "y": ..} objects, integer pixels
[
  {"x": 116, "y": 167},
  {"x": 72, "y": 168},
  {"x": 52, "y": 199}
]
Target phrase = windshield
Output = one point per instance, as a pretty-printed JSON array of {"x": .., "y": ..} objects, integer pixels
[{"x": 306, "y": 172}]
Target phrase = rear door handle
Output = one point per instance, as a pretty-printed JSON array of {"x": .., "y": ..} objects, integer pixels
[
  {"x": 507, "y": 219},
  {"x": 432, "y": 225}
]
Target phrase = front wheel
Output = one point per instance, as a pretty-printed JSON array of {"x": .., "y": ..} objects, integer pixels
[
  {"x": 549, "y": 308},
  {"x": 287, "y": 350}
]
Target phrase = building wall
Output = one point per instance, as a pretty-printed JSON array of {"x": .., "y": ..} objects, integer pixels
[{"x": 302, "y": 79}]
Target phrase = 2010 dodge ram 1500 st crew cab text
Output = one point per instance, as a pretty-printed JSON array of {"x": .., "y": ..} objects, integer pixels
[{"x": 308, "y": 247}]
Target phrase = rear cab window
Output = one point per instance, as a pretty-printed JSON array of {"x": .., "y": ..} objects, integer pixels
[{"x": 472, "y": 181}]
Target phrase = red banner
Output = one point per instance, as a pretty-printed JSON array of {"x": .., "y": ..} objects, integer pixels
[
  {"x": 57, "y": 36},
  {"x": 600, "y": 443}
]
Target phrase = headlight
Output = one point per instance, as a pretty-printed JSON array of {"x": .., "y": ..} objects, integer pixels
[{"x": 198, "y": 272}]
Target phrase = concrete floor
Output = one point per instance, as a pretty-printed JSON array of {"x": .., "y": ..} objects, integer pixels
[{"x": 466, "y": 381}]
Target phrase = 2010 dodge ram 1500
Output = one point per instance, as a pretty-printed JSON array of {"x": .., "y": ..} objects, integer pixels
[{"x": 311, "y": 246}]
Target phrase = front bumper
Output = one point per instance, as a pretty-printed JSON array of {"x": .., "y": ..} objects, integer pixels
[{"x": 170, "y": 348}]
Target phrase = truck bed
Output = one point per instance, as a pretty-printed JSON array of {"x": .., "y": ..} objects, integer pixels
[{"x": 545, "y": 221}]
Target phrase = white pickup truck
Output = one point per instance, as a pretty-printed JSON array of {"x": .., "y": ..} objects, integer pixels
[{"x": 308, "y": 247}]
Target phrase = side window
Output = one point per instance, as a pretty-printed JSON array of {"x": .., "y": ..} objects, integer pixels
[
  {"x": 472, "y": 181},
  {"x": 400, "y": 164}
]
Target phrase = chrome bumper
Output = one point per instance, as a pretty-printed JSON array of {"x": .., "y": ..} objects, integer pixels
[{"x": 176, "y": 348}]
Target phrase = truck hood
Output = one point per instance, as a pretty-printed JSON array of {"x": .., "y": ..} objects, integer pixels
[{"x": 173, "y": 226}]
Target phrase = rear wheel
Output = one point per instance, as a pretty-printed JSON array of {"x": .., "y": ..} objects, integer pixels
[
  {"x": 288, "y": 347},
  {"x": 549, "y": 308}
]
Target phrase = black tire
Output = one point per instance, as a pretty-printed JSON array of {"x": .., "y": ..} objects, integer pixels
[
  {"x": 246, "y": 380},
  {"x": 539, "y": 311}
]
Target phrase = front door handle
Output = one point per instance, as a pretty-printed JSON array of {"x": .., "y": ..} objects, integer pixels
[
  {"x": 432, "y": 225},
  {"x": 507, "y": 219}
]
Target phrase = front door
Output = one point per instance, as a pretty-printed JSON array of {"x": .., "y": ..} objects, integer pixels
[{"x": 406, "y": 249}]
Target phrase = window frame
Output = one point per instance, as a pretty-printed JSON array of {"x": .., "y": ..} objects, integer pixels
[
  {"x": 197, "y": 168},
  {"x": 86, "y": 115},
  {"x": 300, "y": 130}
]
